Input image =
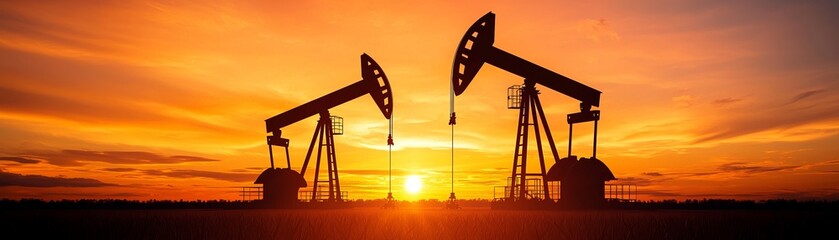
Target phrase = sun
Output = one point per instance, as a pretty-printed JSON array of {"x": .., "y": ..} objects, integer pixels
[{"x": 413, "y": 184}]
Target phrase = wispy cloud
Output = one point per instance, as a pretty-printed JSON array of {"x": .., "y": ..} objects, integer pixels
[
  {"x": 39, "y": 181},
  {"x": 19, "y": 160},
  {"x": 805, "y": 109},
  {"x": 230, "y": 176},
  {"x": 726, "y": 101},
  {"x": 752, "y": 168},
  {"x": 119, "y": 169},
  {"x": 187, "y": 173},
  {"x": 73, "y": 157},
  {"x": 805, "y": 95}
]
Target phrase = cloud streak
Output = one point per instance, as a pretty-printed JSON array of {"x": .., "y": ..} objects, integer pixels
[
  {"x": 39, "y": 181},
  {"x": 19, "y": 160},
  {"x": 752, "y": 168},
  {"x": 74, "y": 157},
  {"x": 726, "y": 101},
  {"x": 805, "y": 95},
  {"x": 188, "y": 173},
  {"x": 808, "y": 107}
]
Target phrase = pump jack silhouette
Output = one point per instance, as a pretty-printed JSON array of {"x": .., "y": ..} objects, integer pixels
[
  {"x": 281, "y": 185},
  {"x": 475, "y": 49}
]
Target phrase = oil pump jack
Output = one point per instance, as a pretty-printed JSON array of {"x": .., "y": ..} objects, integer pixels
[
  {"x": 579, "y": 179},
  {"x": 281, "y": 185}
]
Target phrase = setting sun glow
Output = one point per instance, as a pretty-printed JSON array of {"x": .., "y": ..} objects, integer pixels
[{"x": 413, "y": 184}]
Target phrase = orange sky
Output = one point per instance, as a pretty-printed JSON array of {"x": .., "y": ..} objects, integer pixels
[{"x": 165, "y": 100}]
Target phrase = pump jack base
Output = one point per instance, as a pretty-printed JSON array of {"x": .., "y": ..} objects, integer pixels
[
  {"x": 452, "y": 202},
  {"x": 390, "y": 203}
]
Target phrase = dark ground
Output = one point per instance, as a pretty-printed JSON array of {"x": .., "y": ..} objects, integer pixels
[{"x": 415, "y": 223}]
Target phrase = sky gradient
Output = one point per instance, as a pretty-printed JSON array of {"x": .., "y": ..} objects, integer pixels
[{"x": 167, "y": 100}]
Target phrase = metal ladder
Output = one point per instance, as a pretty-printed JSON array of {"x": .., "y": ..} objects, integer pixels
[
  {"x": 520, "y": 169},
  {"x": 326, "y": 139},
  {"x": 332, "y": 166}
]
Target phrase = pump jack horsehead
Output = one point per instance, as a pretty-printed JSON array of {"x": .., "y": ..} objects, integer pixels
[
  {"x": 582, "y": 181},
  {"x": 281, "y": 184}
]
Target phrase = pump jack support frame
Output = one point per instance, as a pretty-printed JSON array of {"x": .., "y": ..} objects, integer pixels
[
  {"x": 531, "y": 106},
  {"x": 325, "y": 138}
]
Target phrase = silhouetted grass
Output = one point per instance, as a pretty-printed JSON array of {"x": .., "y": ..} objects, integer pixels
[
  {"x": 220, "y": 219},
  {"x": 414, "y": 223},
  {"x": 704, "y": 204}
]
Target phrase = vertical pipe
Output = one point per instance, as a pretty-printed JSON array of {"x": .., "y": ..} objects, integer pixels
[
  {"x": 570, "y": 134},
  {"x": 287, "y": 158},
  {"x": 452, "y": 122},
  {"x": 594, "y": 149},
  {"x": 271, "y": 154}
]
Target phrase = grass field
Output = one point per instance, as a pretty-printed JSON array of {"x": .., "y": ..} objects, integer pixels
[{"x": 374, "y": 223}]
